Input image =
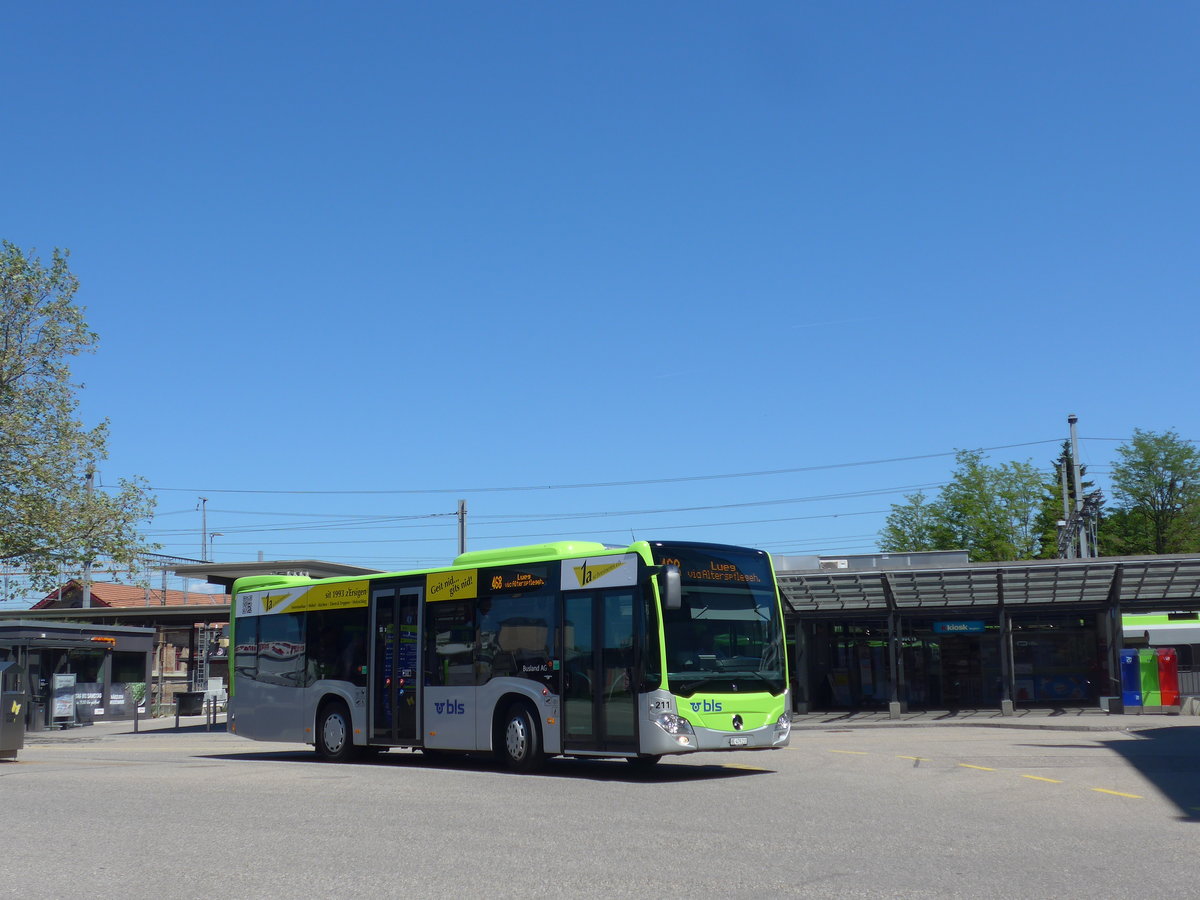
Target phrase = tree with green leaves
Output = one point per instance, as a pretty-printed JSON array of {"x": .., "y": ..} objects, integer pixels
[
  {"x": 51, "y": 517},
  {"x": 1156, "y": 494},
  {"x": 911, "y": 526},
  {"x": 992, "y": 512}
]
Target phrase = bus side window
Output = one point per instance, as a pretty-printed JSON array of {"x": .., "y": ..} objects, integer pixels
[
  {"x": 517, "y": 637},
  {"x": 281, "y": 650},
  {"x": 337, "y": 643},
  {"x": 245, "y": 651},
  {"x": 449, "y": 643}
]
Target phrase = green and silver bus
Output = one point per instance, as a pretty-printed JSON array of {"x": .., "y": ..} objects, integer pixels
[{"x": 571, "y": 648}]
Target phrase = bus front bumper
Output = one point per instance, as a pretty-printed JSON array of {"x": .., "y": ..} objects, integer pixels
[{"x": 657, "y": 740}]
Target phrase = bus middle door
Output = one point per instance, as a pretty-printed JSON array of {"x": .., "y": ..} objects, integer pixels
[{"x": 394, "y": 686}]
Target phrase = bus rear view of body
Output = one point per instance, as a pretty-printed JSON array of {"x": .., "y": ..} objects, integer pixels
[{"x": 572, "y": 648}]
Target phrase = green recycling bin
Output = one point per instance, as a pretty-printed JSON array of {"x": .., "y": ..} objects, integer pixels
[{"x": 1148, "y": 663}]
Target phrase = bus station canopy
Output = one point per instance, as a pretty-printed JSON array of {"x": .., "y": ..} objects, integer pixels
[{"x": 1149, "y": 582}]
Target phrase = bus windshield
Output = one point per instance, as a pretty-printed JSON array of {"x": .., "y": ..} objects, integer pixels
[{"x": 727, "y": 637}]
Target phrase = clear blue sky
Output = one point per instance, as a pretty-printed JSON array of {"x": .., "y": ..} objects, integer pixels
[{"x": 435, "y": 248}]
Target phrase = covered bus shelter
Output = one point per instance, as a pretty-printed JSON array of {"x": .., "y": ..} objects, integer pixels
[
  {"x": 77, "y": 672},
  {"x": 896, "y": 635}
]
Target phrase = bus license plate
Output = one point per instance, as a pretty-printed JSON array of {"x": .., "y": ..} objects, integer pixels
[{"x": 738, "y": 741}]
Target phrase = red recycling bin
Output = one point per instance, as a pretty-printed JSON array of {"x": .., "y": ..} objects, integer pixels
[{"x": 1168, "y": 675}]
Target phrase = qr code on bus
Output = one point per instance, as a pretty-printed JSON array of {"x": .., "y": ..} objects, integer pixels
[{"x": 247, "y": 606}]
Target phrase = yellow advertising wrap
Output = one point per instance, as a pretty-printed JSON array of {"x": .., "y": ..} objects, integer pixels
[
  {"x": 332, "y": 596},
  {"x": 343, "y": 595},
  {"x": 462, "y": 585}
]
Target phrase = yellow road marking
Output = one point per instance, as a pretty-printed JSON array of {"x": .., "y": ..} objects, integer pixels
[
  {"x": 852, "y": 752},
  {"x": 980, "y": 768},
  {"x": 1040, "y": 778},
  {"x": 744, "y": 768},
  {"x": 1117, "y": 794}
]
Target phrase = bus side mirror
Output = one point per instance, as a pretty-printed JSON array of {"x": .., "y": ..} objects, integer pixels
[{"x": 670, "y": 586}]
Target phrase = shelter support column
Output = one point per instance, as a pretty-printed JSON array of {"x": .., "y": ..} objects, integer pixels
[
  {"x": 896, "y": 705},
  {"x": 801, "y": 698},
  {"x": 106, "y": 669},
  {"x": 1116, "y": 642},
  {"x": 1007, "y": 684}
]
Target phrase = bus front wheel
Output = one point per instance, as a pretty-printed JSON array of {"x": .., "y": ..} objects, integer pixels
[
  {"x": 520, "y": 744},
  {"x": 334, "y": 741}
]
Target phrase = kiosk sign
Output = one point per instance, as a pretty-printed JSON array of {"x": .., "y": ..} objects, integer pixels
[{"x": 958, "y": 628}]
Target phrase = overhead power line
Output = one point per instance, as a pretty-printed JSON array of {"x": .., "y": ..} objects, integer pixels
[
  {"x": 578, "y": 533},
  {"x": 606, "y": 484}
]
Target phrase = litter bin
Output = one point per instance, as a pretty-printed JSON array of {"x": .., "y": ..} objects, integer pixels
[
  {"x": 189, "y": 703},
  {"x": 36, "y": 720},
  {"x": 1131, "y": 678},
  {"x": 12, "y": 709},
  {"x": 1168, "y": 675},
  {"x": 1148, "y": 663}
]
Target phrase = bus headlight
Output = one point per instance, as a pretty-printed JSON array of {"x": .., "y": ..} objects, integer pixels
[
  {"x": 784, "y": 726},
  {"x": 673, "y": 724}
]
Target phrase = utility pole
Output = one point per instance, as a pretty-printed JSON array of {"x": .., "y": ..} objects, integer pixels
[
  {"x": 1066, "y": 544},
  {"x": 1084, "y": 551},
  {"x": 462, "y": 526},
  {"x": 204, "y": 529},
  {"x": 86, "y": 600}
]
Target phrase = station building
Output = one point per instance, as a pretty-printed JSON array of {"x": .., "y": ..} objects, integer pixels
[{"x": 934, "y": 631}]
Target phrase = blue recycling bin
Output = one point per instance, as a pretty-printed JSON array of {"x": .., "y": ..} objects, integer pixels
[{"x": 1131, "y": 678}]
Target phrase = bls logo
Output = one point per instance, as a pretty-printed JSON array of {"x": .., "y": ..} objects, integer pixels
[
  {"x": 450, "y": 707},
  {"x": 706, "y": 706}
]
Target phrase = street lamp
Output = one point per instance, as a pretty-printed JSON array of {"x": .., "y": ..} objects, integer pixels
[{"x": 211, "y": 535}]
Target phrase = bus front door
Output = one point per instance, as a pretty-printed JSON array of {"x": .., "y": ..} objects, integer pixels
[
  {"x": 599, "y": 693},
  {"x": 394, "y": 683}
]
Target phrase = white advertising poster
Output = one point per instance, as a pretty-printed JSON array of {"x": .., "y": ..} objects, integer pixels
[
  {"x": 595, "y": 572},
  {"x": 64, "y": 696}
]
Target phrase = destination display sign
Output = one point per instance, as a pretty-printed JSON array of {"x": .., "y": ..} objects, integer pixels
[
  {"x": 732, "y": 568},
  {"x": 516, "y": 578}
]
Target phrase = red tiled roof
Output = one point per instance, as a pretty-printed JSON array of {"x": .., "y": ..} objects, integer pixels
[{"x": 124, "y": 595}]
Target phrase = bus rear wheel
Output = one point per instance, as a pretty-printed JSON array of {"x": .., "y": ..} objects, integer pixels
[
  {"x": 520, "y": 742},
  {"x": 334, "y": 741}
]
